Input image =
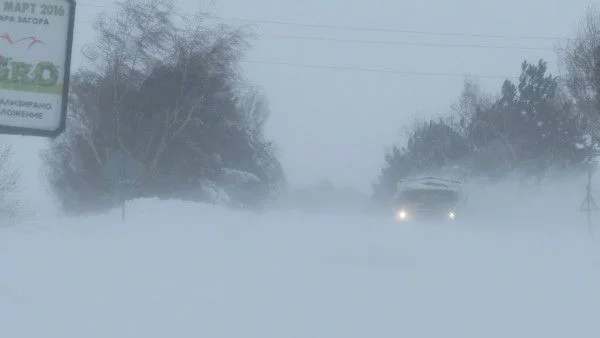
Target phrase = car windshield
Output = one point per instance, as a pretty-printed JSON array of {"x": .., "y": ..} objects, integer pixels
[{"x": 430, "y": 196}]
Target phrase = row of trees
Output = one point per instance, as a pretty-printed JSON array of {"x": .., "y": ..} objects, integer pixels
[
  {"x": 538, "y": 125},
  {"x": 166, "y": 91}
]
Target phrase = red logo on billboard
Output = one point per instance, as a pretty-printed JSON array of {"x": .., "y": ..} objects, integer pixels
[{"x": 32, "y": 40}]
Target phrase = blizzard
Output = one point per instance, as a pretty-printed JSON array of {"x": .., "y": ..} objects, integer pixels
[{"x": 518, "y": 262}]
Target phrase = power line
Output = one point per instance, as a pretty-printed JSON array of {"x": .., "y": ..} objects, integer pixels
[
  {"x": 377, "y": 70},
  {"x": 397, "y": 43},
  {"x": 374, "y": 70},
  {"x": 402, "y": 43},
  {"x": 390, "y": 30},
  {"x": 373, "y": 29}
]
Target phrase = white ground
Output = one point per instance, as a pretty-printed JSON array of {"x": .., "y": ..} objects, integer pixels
[{"x": 520, "y": 264}]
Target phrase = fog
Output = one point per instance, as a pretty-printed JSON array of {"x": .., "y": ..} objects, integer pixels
[{"x": 346, "y": 84}]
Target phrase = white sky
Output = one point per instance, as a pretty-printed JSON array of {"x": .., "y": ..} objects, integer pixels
[{"x": 337, "y": 124}]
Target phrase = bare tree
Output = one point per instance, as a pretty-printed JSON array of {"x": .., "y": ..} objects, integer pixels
[
  {"x": 471, "y": 101},
  {"x": 172, "y": 97}
]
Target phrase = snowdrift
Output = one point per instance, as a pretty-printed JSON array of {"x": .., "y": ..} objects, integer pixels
[{"x": 521, "y": 264}]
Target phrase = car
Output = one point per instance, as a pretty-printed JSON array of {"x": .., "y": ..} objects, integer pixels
[{"x": 428, "y": 198}]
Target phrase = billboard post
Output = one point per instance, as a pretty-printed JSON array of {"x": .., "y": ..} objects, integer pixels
[{"x": 36, "y": 40}]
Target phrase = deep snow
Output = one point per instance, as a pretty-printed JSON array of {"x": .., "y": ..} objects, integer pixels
[{"x": 519, "y": 264}]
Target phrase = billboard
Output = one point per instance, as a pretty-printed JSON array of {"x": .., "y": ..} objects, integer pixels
[{"x": 36, "y": 39}]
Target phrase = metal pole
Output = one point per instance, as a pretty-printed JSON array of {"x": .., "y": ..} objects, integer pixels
[
  {"x": 122, "y": 203},
  {"x": 122, "y": 185},
  {"x": 589, "y": 201}
]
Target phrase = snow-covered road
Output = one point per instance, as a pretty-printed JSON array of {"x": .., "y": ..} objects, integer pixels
[{"x": 180, "y": 270}]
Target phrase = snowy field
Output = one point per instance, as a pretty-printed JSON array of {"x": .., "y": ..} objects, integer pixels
[{"x": 520, "y": 263}]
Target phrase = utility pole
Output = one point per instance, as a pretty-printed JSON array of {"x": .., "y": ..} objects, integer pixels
[
  {"x": 121, "y": 170},
  {"x": 589, "y": 204}
]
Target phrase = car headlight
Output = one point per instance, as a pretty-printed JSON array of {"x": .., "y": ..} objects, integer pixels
[
  {"x": 401, "y": 214},
  {"x": 451, "y": 215}
]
